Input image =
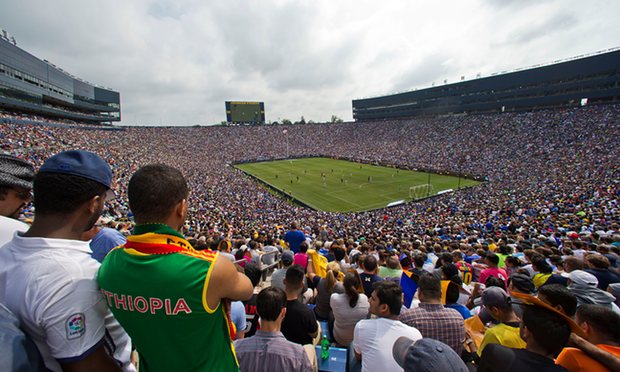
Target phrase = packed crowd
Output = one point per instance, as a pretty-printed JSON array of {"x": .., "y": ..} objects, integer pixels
[{"x": 543, "y": 231}]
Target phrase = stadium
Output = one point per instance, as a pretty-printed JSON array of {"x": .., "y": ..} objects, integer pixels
[{"x": 522, "y": 164}]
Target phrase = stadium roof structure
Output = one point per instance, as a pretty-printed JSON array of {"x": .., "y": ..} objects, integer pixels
[
  {"x": 34, "y": 86},
  {"x": 578, "y": 81}
]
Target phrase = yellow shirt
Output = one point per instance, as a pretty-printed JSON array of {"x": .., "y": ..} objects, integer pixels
[{"x": 504, "y": 335}]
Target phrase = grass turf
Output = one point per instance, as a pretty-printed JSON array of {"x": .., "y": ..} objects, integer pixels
[{"x": 344, "y": 186}]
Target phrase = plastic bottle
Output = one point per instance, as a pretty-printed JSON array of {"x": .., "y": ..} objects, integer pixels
[{"x": 324, "y": 348}]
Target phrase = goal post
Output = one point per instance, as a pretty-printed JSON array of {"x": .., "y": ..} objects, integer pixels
[{"x": 421, "y": 191}]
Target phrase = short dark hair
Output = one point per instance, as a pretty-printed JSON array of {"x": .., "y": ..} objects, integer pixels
[
  {"x": 429, "y": 285},
  {"x": 253, "y": 272},
  {"x": 270, "y": 302},
  {"x": 492, "y": 258},
  {"x": 602, "y": 319},
  {"x": 452, "y": 293},
  {"x": 541, "y": 265},
  {"x": 419, "y": 260},
  {"x": 303, "y": 247},
  {"x": 549, "y": 329},
  {"x": 389, "y": 293},
  {"x": 154, "y": 190},
  {"x": 339, "y": 253},
  {"x": 61, "y": 193},
  {"x": 558, "y": 294},
  {"x": 294, "y": 276},
  {"x": 370, "y": 263}
]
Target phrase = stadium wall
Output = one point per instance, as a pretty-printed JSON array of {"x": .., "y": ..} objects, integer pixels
[
  {"x": 563, "y": 84},
  {"x": 34, "y": 86}
]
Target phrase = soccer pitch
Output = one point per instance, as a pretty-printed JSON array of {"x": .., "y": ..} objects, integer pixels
[{"x": 344, "y": 186}]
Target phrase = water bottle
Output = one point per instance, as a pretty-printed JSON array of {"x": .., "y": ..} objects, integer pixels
[{"x": 324, "y": 348}]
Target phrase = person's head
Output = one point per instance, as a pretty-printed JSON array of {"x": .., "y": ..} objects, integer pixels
[
  {"x": 452, "y": 293},
  {"x": 582, "y": 279},
  {"x": 16, "y": 177},
  {"x": 294, "y": 225},
  {"x": 72, "y": 182},
  {"x": 303, "y": 247},
  {"x": 429, "y": 288},
  {"x": 497, "y": 303},
  {"x": 492, "y": 259},
  {"x": 560, "y": 297},
  {"x": 539, "y": 263},
  {"x": 294, "y": 278},
  {"x": 419, "y": 260},
  {"x": 572, "y": 263},
  {"x": 253, "y": 272},
  {"x": 597, "y": 261},
  {"x": 444, "y": 258},
  {"x": 352, "y": 287},
  {"x": 386, "y": 299},
  {"x": 333, "y": 271},
  {"x": 600, "y": 324},
  {"x": 451, "y": 272},
  {"x": 271, "y": 304},
  {"x": 512, "y": 262},
  {"x": 457, "y": 256},
  {"x": 158, "y": 194},
  {"x": 426, "y": 355},
  {"x": 544, "y": 330},
  {"x": 287, "y": 258},
  {"x": 392, "y": 263},
  {"x": 521, "y": 283},
  {"x": 370, "y": 264},
  {"x": 224, "y": 245}
]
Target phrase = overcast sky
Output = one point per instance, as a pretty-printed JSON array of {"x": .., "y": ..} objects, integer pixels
[{"x": 175, "y": 62}]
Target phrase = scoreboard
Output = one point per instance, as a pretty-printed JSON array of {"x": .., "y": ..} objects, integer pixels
[{"x": 241, "y": 112}]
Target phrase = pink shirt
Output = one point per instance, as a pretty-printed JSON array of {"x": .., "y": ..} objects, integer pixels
[
  {"x": 493, "y": 271},
  {"x": 300, "y": 259}
]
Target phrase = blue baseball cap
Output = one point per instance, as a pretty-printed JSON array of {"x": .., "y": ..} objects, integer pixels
[{"x": 80, "y": 163}]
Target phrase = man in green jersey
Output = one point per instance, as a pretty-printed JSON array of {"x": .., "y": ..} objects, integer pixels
[{"x": 171, "y": 299}]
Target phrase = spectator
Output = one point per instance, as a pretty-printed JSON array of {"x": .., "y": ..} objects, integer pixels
[
  {"x": 103, "y": 240},
  {"x": 543, "y": 270},
  {"x": 64, "y": 314},
  {"x": 348, "y": 308},
  {"x": 602, "y": 328},
  {"x": 372, "y": 337},
  {"x": 277, "y": 278},
  {"x": 301, "y": 258},
  {"x": 253, "y": 271},
  {"x": 492, "y": 270},
  {"x": 159, "y": 288},
  {"x": 237, "y": 317},
  {"x": 294, "y": 238},
  {"x": 432, "y": 319},
  {"x": 269, "y": 349},
  {"x": 299, "y": 325},
  {"x": 467, "y": 272},
  {"x": 16, "y": 177},
  {"x": 545, "y": 334},
  {"x": 452, "y": 297},
  {"x": 369, "y": 276},
  {"x": 497, "y": 302},
  {"x": 324, "y": 289},
  {"x": 598, "y": 265},
  {"x": 559, "y": 297},
  {"x": 585, "y": 287},
  {"x": 392, "y": 268}
]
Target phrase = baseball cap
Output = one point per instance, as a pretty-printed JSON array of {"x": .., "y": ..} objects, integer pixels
[
  {"x": 287, "y": 257},
  {"x": 426, "y": 354},
  {"x": 581, "y": 277},
  {"x": 15, "y": 172},
  {"x": 80, "y": 163},
  {"x": 495, "y": 296}
]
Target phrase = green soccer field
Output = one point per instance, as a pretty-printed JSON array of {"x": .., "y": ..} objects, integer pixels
[{"x": 343, "y": 186}]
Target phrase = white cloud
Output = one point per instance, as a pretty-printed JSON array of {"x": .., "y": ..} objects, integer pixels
[{"x": 176, "y": 62}]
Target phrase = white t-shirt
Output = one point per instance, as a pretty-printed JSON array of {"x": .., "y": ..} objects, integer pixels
[
  {"x": 374, "y": 338},
  {"x": 50, "y": 285},
  {"x": 8, "y": 227}
]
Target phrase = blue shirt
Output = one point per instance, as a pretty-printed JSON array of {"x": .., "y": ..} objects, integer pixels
[
  {"x": 294, "y": 239},
  {"x": 464, "y": 311},
  {"x": 106, "y": 239}
]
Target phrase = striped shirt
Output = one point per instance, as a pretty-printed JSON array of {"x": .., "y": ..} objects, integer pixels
[
  {"x": 437, "y": 322},
  {"x": 271, "y": 351}
]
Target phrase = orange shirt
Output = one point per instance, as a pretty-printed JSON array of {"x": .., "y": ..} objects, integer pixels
[{"x": 576, "y": 360}]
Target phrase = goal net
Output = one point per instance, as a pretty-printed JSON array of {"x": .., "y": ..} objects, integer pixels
[{"x": 421, "y": 191}]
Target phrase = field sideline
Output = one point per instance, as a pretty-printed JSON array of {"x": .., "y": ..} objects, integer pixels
[{"x": 343, "y": 186}]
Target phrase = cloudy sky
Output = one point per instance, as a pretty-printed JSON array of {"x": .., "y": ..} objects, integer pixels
[{"x": 175, "y": 62}]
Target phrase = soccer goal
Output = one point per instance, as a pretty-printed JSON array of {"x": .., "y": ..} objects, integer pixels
[{"x": 421, "y": 191}]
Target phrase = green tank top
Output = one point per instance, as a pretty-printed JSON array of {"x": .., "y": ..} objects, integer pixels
[{"x": 156, "y": 287}]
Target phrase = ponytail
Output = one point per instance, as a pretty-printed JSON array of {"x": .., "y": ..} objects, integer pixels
[{"x": 352, "y": 283}]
